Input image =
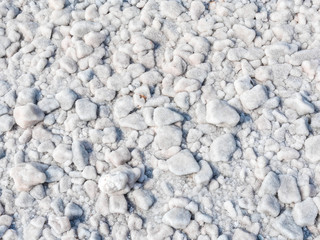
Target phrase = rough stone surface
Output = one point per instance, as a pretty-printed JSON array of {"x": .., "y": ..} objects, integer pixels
[
  {"x": 305, "y": 212},
  {"x": 183, "y": 163},
  {"x": 178, "y": 218},
  {"x": 222, "y": 148},
  {"x": 28, "y": 115}
]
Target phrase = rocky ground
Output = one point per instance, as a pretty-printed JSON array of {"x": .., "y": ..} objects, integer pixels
[{"x": 159, "y": 119}]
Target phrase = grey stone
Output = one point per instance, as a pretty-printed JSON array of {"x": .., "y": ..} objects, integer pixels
[
  {"x": 73, "y": 211},
  {"x": 286, "y": 226}
]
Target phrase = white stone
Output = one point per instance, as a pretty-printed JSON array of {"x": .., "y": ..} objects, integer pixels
[
  {"x": 28, "y": 115},
  {"x": 254, "y": 98},
  {"x": 204, "y": 176},
  {"x": 312, "y": 150},
  {"x": 165, "y": 116},
  {"x": 288, "y": 191},
  {"x": 168, "y": 136},
  {"x": 143, "y": 199},
  {"x": 171, "y": 9},
  {"x": 196, "y": 9},
  {"x": 73, "y": 211},
  {"x": 48, "y": 104},
  {"x": 94, "y": 39},
  {"x": 54, "y": 174},
  {"x": 270, "y": 184},
  {"x": 123, "y": 106},
  {"x": 27, "y": 95},
  {"x": 178, "y": 218},
  {"x": 240, "y": 234},
  {"x": 68, "y": 64},
  {"x": 221, "y": 114},
  {"x": 62, "y": 153},
  {"x": 187, "y": 85},
  {"x": 56, "y": 4},
  {"x": 119, "y": 156},
  {"x": 59, "y": 224},
  {"x": 245, "y": 34},
  {"x": 152, "y": 77},
  {"x": 86, "y": 109},
  {"x": 222, "y": 148},
  {"x": 305, "y": 213},
  {"x": 176, "y": 67},
  {"x": 134, "y": 121},
  {"x": 26, "y": 176},
  {"x": 80, "y": 156},
  {"x": 158, "y": 231},
  {"x": 299, "y": 104},
  {"x": 118, "y": 204},
  {"x": 120, "y": 60},
  {"x": 183, "y": 163},
  {"x": 6, "y": 123},
  {"x": 34, "y": 229},
  {"x": 243, "y": 84},
  {"x": 81, "y": 28},
  {"x": 269, "y": 205},
  {"x": 288, "y": 154},
  {"x": 66, "y": 98},
  {"x": 286, "y": 226}
]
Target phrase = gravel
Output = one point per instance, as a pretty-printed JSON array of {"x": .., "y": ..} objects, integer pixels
[{"x": 159, "y": 119}]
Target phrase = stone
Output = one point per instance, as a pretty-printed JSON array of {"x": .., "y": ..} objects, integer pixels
[
  {"x": 312, "y": 150},
  {"x": 178, "y": 218},
  {"x": 134, "y": 121},
  {"x": 305, "y": 213},
  {"x": 247, "y": 35},
  {"x": 286, "y": 226},
  {"x": 27, "y": 95},
  {"x": 28, "y": 115},
  {"x": 254, "y": 98},
  {"x": 222, "y": 148},
  {"x": 33, "y": 231},
  {"x": 81, "y": 28},
  {"x": 288, "y": 191},
  {"x": 6, "y": 123},
  {"x": 299, "y": 104},
  {"x": 80, "y": 156},
  {"x": 183, "y": 163},
  {"x": 56, "y": 4},
  {"x": 243, "y": 84},
  {"x": 240, "y": 234},
  {"x": 54, "y": 174},
  {"x": 204, "y": 176},
  {"x": 151, "y": 78},
  {"x": 86, "y": 110},
  {"x": 48, "y": 105},
  {"x": 165, "y": 116},
  {"x": 270, "y": 184},
  {"x": 118, "y": 204},
  {"x": 221, "y": 114},
  {"x": 62, "y": 153},
  {"x": 171, "y": 9},
  {"x": 123, "y": 106},
  {"x": 168, "y": 136},
  {"x": 59, "y": 224},
  {"x": 119, "y": 156},
  {"x": 68, "y": 64},
  {"x": 66, "y": 98},
  {"x": 269, "y": 205},
  {"x": 158, "y": 231},
  {"x": 196, "y": 9},
  {"x": 73, "y": 211},
  {"x": 26, "y": 176},
  {"x": 143, "y": 199}
]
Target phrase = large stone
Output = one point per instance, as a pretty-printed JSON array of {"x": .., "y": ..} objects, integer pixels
[
  {"x": 26, "y": 176},
  {"x": 165, "y": 116},
  {"x": 178, "y": 218},
  {"x": 286, "y": 226},
  {"x": 288, "y": 191},
  {"x": 312, "y": 149},
  {"x": 183, "y": 163},
  {"x": 305, "y": 213},
  {"x": 221, "y": 114},
  {"x": 222, "y": 148},
  {"x": 86, "y": 109},
  {"x": 28, "y": 115}
]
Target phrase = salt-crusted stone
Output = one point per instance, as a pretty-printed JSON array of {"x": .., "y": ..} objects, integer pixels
[
  {"x": 151, "y": 77},
  {"x": 26, "y": 176},
  {"x": 68, "y": 64},
  {"x": 308, "y": 54},
  {"x": 6, "y": 123},
  {"x": 165, "y": 116},
  {"x": 27, "y": 95},
  {"x": 120, "y": 60},
  {"x": 34, "y": 229},
  {"x": 178, "y": 218},
  {"x": 222, "y": 148},
  {"x": 94, "y": 39},
  {"x": 269, "y": 205},
  {"x": 298, "y": 103},
  {"x": 80, "y": 156},
  {"x": 196, "y": 9},
  {"x": 240, "y": 234},
  {"x": 287, "y": 154},
  {"x": 187, "y": 85},
  {"x": 286, "y": 226},
  {"x": 183, "y": 163},
  {"x": 221, "y": 114},
  {"x": 159, "y": 231},
  {"x": 119, "y": 156},
  {"x": 86, "y": 110},
  {"x": 305, "y": 212},
  {"x": 288, "y": 191},
  {"x": 56, "y": 4},
  {"x": 243, "y": 84},
  {"x": 168, "y": 136},
  {"x": 62, "y": 153},
  {"x": 176, "y": 67},
  {"x": 312, "y": 150},
  {"x": 81, "y": 28},
  {"x": 134, "y": 121},
  {"x": 123, "y": 106},
  {"x": 54, "y": 174},
  {"x": 118, "y": 204},
  {"x": 59, "y": 224},
  {"x": 119, "y": 180},
  {"x": 28, "y": 115},
  {"x": 48, "y": 105},
  {"x": 270, "y": 184},
  {"x": 143, "y": 198},
  {"x": 205, "y": 174},
  {"x": 171, "y": 9},
  {"x": 73, "y": 211},
  {"x": 245, "y": 34},
  {"x": 254, "y": 98},
  {"x": 66, "y": 98}
]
